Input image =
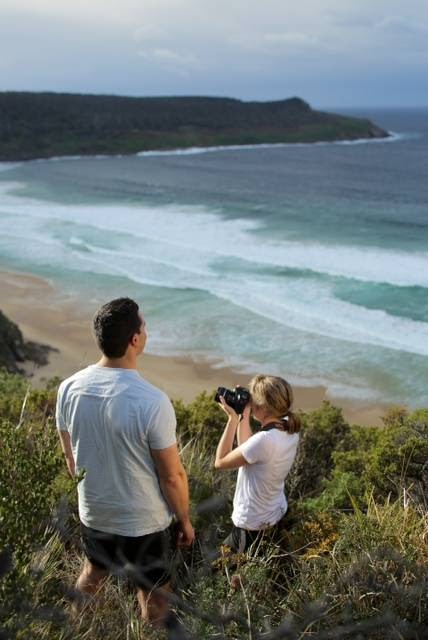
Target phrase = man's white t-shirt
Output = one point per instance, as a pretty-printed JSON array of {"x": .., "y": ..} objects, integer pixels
[
  {"x": 114, "y": 417},
  {"x": 259, "y": 500}
]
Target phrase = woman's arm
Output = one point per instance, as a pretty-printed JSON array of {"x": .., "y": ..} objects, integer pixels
[
  {"x": 226, "y": 457},
  {"x": 244, "y": 429}
]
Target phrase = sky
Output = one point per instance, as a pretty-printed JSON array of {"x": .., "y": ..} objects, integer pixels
[{"x": 350, "y": 53}]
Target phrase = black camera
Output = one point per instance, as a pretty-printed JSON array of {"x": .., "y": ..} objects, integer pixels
[{"x": 236, "y": 398}]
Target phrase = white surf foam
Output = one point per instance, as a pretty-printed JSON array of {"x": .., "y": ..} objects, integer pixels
[
  {"x": 303, "y": 305},
  {"x": 393, "y": 137},
  {"x": 189, "y": 151},
  {"x": 307, "y": 306},
  {"x": 99, "y": 156},
  {"x": 203, "y": 236},
  {"x": 182, "y": 247},
  {"x": 8, "y": 166}
]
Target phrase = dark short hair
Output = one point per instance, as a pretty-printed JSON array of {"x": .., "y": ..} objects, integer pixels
[{"x": 114, "y": 326}]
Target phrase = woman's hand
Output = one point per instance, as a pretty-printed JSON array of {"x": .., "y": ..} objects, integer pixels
[{"x": 229, "y": 411}]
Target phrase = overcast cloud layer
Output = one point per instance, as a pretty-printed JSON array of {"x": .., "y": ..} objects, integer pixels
[{"x": 330, "y": 52}]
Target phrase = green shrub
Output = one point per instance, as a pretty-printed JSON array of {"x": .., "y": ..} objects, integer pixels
[
  {"x": 353, "y": 557},
  {"x": 340, "y": 491},
  {"x": 19, "y": 400},
  {"x": 392, "y": 459},
  {"x": 32, "y": 470},
  {"x": 323, "y": 431},
  {"x": 30, "y": 462},
  {"x": 202, "y": 419}
]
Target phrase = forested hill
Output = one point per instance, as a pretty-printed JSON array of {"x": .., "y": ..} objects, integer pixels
[{"x": 35, "y": 125}]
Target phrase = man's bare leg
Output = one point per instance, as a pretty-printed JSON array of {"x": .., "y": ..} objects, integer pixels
[
  {"x": 89, "y": 583},
  {"x": 154, "y": 604}
]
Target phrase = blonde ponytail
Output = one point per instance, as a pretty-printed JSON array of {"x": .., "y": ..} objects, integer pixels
[{"x": 293, "y": 423}]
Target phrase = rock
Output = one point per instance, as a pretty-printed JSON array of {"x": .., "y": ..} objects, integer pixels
[{"x": 14, "y": 350}]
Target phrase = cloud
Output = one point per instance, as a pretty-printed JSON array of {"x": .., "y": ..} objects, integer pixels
[
  {"x": 149, "y": 33},
  {"x": 400, "y": 25},
  {"x": 290, "y": 38},
  {"x": 276, "y": 43},
  {"x": 79, "y": 11},
  {"x": 182, "y": 63},
  {"x": 242, "y": 48},
  {"x": 408, "y": 38}
]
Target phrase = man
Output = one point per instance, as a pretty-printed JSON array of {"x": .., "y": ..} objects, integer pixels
[{"x": 117, "y": 432}]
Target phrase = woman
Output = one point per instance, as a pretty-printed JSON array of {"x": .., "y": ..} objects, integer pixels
[{"x": 264, "y": 459}]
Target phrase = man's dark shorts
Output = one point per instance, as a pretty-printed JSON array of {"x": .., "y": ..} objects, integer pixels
[{"x": 145, "y": 560}]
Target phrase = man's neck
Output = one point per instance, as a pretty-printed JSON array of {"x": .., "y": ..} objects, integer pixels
[{"x": 126, "y": 362}]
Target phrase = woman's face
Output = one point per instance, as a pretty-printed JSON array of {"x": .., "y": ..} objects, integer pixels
[{"x": 258, "y": 412}]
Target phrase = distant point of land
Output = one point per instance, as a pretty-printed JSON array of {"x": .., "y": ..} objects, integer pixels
[{"x": 41, "y": 125}]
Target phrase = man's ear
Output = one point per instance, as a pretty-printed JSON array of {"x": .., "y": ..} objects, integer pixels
[{"x": 134, "y": 339}]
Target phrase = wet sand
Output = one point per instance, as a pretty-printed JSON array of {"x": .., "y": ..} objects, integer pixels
[{"x": 44, "y": 315}]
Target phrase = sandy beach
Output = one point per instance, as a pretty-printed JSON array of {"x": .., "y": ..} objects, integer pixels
[{"x": 44, "y": 315}]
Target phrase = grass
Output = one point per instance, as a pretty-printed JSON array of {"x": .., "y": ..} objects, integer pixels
[{"x": 352, "y": 561}]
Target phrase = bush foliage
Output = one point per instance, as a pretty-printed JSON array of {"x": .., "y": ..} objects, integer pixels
[{"x": 351, "y": 561}]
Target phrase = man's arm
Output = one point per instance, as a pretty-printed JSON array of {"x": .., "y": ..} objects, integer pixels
[
  {"x": 64, "y": 437},
  {"x": 174, "y": 486}
]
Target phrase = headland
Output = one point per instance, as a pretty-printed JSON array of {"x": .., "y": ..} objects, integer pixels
[{"x": 42, "y": 125}]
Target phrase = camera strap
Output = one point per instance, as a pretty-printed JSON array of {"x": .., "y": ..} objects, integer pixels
[{"x": 274, "y": 425}]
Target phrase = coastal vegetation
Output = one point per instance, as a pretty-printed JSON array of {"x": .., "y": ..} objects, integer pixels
[
  {"x": 350, "y": 563},
  {"x": 41, "y": 125}
]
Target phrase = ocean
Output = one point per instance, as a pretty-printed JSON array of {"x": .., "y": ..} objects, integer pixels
[{"x": 306, "y": 260}]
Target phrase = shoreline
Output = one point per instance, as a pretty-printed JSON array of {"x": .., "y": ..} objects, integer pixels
[
  {"x": 391, "y": 136},
  {"x": 36, "y": 306}
]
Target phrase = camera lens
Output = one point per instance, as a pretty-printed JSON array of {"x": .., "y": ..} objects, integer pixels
[{"x": 221, "y": 391}]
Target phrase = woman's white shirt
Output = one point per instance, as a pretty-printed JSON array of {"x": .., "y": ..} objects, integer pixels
[{"x": 259, "y": 500}]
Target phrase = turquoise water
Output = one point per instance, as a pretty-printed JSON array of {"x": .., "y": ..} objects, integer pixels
[{"x": 306, "y": 260}]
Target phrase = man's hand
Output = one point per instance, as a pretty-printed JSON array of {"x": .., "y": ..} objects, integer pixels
[{"x": 186, "y": 534}]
